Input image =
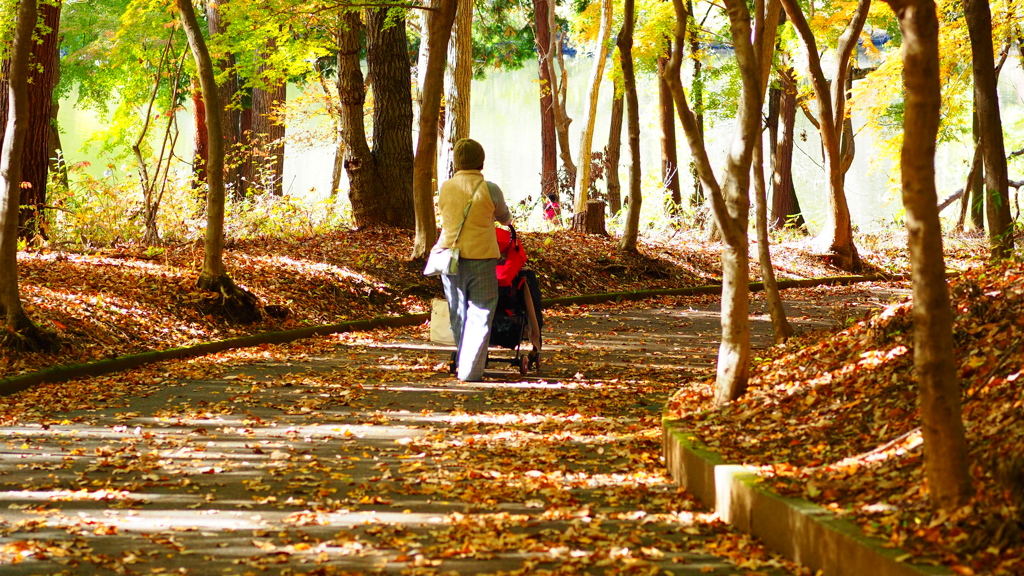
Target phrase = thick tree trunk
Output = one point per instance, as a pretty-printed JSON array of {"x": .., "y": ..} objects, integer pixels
[
  {"x": 986, "y": 99},
  {"x": 458, "y": 77},
  {"x": 231, "y": 116},
  {"x": 548, "y": 143},
  {"x": 430, "y": 109},
  {"x": 785, "y": 205},
  {"x": 364, "y": 181},
  {"x": 380, "y": 180},
  {"x": 730, "y": 202},
  {"x": 631, "y": 230},
  {"x": 583, "y": 180},
  {"x": 387, "y": 63},
  {"x": 836, "y": 237},
  {"x": 238, "y": 304},
  {"x": 945, "y": 448},
  {"x": 613, "y": 153},
  {"x": 667, "y": 116},
  {"x": 19, "y": 331},
  {"x": 268, "y": 132},
  {"x": 35, "y": 163}
]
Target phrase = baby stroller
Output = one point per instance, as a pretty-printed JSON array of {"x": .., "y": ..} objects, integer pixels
[{"x": 518, "y": 315}]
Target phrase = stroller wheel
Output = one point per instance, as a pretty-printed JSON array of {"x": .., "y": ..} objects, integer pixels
[{"x": 524, "y": 364}]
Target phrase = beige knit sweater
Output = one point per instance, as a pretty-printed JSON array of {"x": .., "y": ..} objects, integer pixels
[{"x": 477, "y": 240}]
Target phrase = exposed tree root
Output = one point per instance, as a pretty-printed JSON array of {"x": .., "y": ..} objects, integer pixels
[
  {"x": 234, "y": 303},
  {"x": 23, "y": 335}
]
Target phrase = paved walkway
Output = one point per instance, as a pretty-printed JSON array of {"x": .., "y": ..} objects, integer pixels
[{"x": 358, "y": 454}]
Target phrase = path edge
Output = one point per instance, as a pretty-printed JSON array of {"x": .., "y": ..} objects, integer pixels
[
  {"x": 795, "y": 528},
  {"x": 64, "y": 373}
]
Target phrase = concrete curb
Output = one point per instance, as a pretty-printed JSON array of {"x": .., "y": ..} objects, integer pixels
[
  {"x": 795, "y": 528},
  {"x": 70, "y": 372}
]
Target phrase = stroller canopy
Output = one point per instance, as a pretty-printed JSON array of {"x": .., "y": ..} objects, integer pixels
[{"x": 513, "y": 257}]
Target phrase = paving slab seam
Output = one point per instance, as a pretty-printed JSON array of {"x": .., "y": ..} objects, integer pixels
[{"x": 795, "y": 528}]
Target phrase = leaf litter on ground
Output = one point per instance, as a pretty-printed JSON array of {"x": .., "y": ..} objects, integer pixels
[{"x": 833, "y": 417}]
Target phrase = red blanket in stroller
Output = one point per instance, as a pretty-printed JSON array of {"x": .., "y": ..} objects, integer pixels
[{"x": 513, "y": 257}]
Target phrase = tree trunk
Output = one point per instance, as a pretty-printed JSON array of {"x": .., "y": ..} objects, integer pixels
[
  {"x": 237, "y": 304},
  {"x": 552, "y": 53},
  {"x": 35, "y": 163},
  {"x": 548, "y": 143},
  {"x": 201, "y": 157},
  {"x": 697, "y": 199},
  {"x": 667, "y": 116},
  {"x": 231, "y": 115},
  {"x": 765, "y": 31},
  {"x": 986, "y": 99},
  {"x": 387, "y": 63},
  {"x": 836, "y": 237},
  {"x": 268, "y": 132},
  {"x": 613, "y": 153},
  {"x": 631, "y": 230},
  {"x": 785, "y": 205},
  {"x": 583, "y": 180},
  {"x": 18, "y": 332},
  {"x": 380, "y": 180},
  {"x": 430, "y": 109},
  {"x": 977, "y": 183},
  {"x": 458, "y": 77},
  {"x": 730, "y": 202},
  {"x": 426, "y": 16},
  {"x": 945, "y": 448}
]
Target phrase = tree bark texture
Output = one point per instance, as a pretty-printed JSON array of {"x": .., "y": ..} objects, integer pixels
[
  {"x": 552, "y": 56},
  {"x": 692, "y": 32},
  {"x": 380, "y": 179},
  {"x": 977, "y": 183},
  {"x": 213, "y": 261},
  {"x": 387, "y": 63},
  {"x": 35, "y": 163},
  {"x": 631, "y": 230},
  {"x": 458, "y": 77},
  {"x": 836, "y": 237},
  {"x": 548, "y": 142},
  {"x": 591, "y": 219},
  {"x": 785, "y": 205},
  {"x": 11, "y": 154},
  {"x": 614, "y": 152},
  {"x": 730, "y": 202},
  {"x": 945, "y": 448},
  {"x": 667, "y": 116},
  {"x": 268, "y": 133},
  {"x": 201, "y": 157},
  {"x": 238, "y": 304},
  {"x": 231, "y": 114},
  {"x": 583, "y": 180},
  {"x": 986, "y": 100},
  {"x": 765, "y": 31},
  {"x": 424, "y": 179}
]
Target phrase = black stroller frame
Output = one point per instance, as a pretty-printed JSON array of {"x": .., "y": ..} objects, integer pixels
[{"x": 512, "y": 320}]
